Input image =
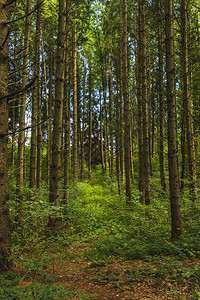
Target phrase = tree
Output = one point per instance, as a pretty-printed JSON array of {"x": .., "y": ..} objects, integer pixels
[
  {"x": 55, "y": 172},
  {"x": 161, "y": 94},
  {"x": 111, "y": 106},
  {"x": 127, "y": 125},
  {"x": 21, "y": 140},
  {"x": 75, "y": 148},
  {"x": 144, "y": 102},
  {"x": 83, "y": 120},
  {"x": 35, "y": 129},
  {"x": 171, "y": 121},
  {"x": 4, "y": 192},
  {"x": 90, "y": 121},
  {"x": 187, "y": 102}
]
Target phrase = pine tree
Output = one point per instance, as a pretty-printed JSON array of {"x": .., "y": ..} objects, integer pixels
[
  {"x": 4, "y": 192},
  {"x": 172, "y": 134}
]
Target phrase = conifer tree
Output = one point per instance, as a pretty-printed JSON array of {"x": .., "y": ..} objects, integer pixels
[
  {"x": 176, "y": 224},
  {"x": 55, "y": 172},
  {"x": 4, "y": 192}
]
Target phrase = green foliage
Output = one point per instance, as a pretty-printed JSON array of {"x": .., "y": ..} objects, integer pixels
[
  {"x": 31, "y": 235},
  {"x": 35, "y": 284},
  {"x": 95, "y": 212}
]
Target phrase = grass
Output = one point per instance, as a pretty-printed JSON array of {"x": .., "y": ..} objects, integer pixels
[{"x": 95, "y": 212}]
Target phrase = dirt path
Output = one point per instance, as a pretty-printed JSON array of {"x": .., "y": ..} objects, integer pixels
[{"x": 116, "y": 281}]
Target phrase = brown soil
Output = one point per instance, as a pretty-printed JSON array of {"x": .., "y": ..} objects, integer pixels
[{"x": 113, "y": 280}]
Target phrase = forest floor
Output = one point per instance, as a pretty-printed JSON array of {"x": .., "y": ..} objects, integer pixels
[{"x": 116, "y": 280}]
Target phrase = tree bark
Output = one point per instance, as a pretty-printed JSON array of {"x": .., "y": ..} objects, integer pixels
[
  {"x": 75, "y": 154},
  {"x": 83, "y": 122},
  {"x": 187, "y": 100},
  {"x": 21, "y": 139},
  {"x": 144, "y": 101},
  {"x": 4, "y": 192},
  {"x": 111, "y": 109},
  {"x": 67, "y": 148},
  {"x": 55, "y": 172},
  {"x": 127, "y": 138},
  {"x": 176, "y": 225},
  {"x": 90, "y": 121},
  {"x": 161, "y": 97}
]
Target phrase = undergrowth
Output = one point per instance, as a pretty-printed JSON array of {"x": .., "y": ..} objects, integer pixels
[{"x": 95, "y": 212}]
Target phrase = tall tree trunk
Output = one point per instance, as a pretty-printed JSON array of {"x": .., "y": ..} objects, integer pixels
[
  {"x": 48, "y": 109},
  {"x": 101, "y": 133},
  {"x": 4, "y": 192},
  {"x": 83, "y": 122},
  {"x": 161, "y": 97},
  {"x": 75, "y": 154},
  {"x": 105, "y": 118},
  {"x": 121, "y": 111},
  {"x": 117, "y": 136},
  {"x": 34, "y": 171},
  {"x": 50, "y": 104},
  {"x": 144, "y": 100},
  {"x": 90, "y": 122},
  {"x": 39, "y": 98},
  {"x": 13, "y": 108},
  {"x": 67, "y": 149},
  {"x": 55, "y": 172},
  {"x": 141, "y": 185},
  {"x": 111, "y": 110},
  {"x": 127, "y": 129},
  {"x": 187, "y": 100},
  {"x": 172, "y": 134},
  {"x": 21, "y": 139}
]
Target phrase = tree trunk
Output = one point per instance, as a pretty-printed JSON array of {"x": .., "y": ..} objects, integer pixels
[
  {"x": 111, "y": 111},
  {"x": 55, "y": 172},
  {"x": 67, "y": 149},
  {"x": 146, "y": 164},
  {"x": 50, "y": 104},
  {"x": 117, "y": 136},
  {"x": 90, "y": 122},
  {"x": 127, "y": 138},
  {"x": 4, "y": 192},
  {"x": 21, "y": 139},
  {"x": 187, "y": 100},
  {"x": 172, "y": 134},
  {"x": 83, "y": 122},
  {"x": 161, "y": 98},
  {"x": 141, "y": 185},
  {"x": 101, "y": 133},
  {"x": 38, "y": 93},
  {"x": 121, "y": 112},
  {"x": 48, "y": 113},
  {"x": 35, "y": 167},
  {"x": 75, "y": 154}
]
